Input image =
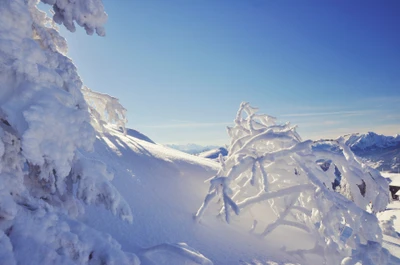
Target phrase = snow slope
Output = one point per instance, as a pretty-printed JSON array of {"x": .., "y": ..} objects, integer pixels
[
  {"x": 390, "y": 222},
  {"x": 164, "y": 187}
]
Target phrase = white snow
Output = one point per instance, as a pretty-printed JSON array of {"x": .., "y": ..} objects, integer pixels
[
  {"x": 393, "y": 177},
  {"x": 77, "y": 187},
  {"x": 164, "y": 186},
  {"x": 390, "y": 224},
  {"x": 44, "y": 129}
]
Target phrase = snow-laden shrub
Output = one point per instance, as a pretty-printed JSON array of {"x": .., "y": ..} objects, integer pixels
[
  {"x": 44, "y": 126},
  {"x": 276, "y": 180},
  {"x": 104, "y": 109},
  {"x": 388, "y": 227}
]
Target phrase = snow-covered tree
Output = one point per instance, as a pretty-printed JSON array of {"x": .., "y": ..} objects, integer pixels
[
  {"x": 44, "y": 128},
  {"x": 277, "y": 180}
]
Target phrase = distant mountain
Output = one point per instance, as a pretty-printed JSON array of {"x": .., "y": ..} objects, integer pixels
[
  {"x": 379, "y": 151},
  {"x": 214, "y": 153},
  {"x": 192, "y": 148}
]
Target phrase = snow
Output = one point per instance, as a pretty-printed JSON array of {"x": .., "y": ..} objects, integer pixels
[
  {"x": 393, "y": 177},
  {"x": 77, "y": 187},
  {"x": 89, "y": 14},
  {"x": 391, "y": 227},
  {"x": 163, "y": 187},
  {"x": 45, "y": 180}
]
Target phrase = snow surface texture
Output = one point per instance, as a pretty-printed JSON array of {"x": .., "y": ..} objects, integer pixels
[
  {"x": 389, "y": 220},
  {"x": 269, "y": 168},
  {"x": 163, "y": 186},
  {"x": 44, "y": 128}
]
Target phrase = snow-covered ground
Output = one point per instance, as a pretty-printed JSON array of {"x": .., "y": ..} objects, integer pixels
[
  {"x": 391, "y": 216},
  {"x": 164, "y": 187},
  {"x": 63, "y": 203}
]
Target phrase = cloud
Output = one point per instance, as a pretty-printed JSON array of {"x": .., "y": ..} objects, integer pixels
[
  {"x": 343, "y": 113},
  {"x": 186, "y": 125},
  {"x": 318, "y": 123},
  {"x": 386, "y": 129},
  {"x": 382, "y": 99}
]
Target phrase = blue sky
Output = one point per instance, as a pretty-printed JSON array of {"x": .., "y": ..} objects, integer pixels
[{"x": 182, "y": 67}]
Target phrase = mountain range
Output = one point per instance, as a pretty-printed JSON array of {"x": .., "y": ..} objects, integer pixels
[
  {"x": 378, "y": 151},
  {"x": 191, "y": 148}
]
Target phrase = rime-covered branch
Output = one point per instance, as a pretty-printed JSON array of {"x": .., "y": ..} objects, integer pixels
[{"x": 105, "y": 109}]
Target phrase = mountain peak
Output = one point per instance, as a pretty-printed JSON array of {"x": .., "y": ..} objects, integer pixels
[{"x": 381, "y": 151}]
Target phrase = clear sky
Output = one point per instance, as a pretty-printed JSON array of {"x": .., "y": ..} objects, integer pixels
[{"x": 182, "y": 67}]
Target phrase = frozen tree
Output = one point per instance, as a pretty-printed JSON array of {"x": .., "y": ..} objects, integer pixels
[
  {"x": 44, "y": 130},
  {"x": 318, "y": 187}
]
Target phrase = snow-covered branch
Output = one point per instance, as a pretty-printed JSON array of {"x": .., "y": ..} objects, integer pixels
[
  {"x": 104, "y": 109},
  {"x": 89, "y": 14}
]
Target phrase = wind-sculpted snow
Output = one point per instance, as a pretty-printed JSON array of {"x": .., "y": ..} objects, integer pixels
[
  {"x": 44, "y": 128},
  {"x": 270, "y": 167}
]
